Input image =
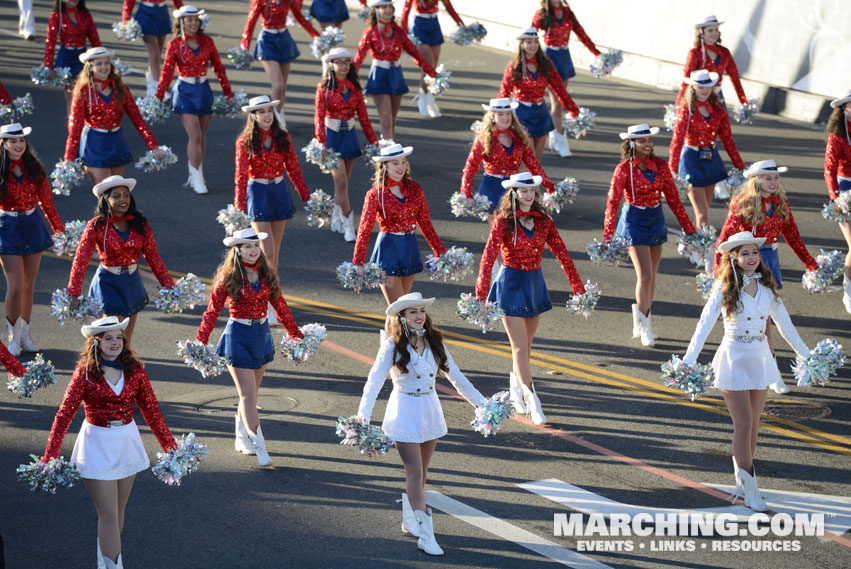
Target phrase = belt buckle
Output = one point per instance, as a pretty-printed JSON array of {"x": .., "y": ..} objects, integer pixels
[
  {"x": 115, "y": 423},
  {"x": 124, "y": 270},
  {"x": 253, "y": 321}
]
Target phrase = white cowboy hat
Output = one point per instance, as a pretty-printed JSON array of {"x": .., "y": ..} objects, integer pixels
[
  {"x": 14, "y": 130},
  {"x": 702, "y": 78},
  {"x": 244, "y": 236},
  {"x": 764, "y": 167},
  {"x": 393, "y": 152},
  {"x": 841, "y": 100},
  {"x": 113, "y": 182},
  {"x": 522, "y": 180},
  {"x": 407, "y": 301},
  {"x": 739, "y": 239},
  {"x": 94, "y": 53},
  {"x": 530, "y": 34},
  {"x": 377, "y": 3},
  {"x": 257, "y": 103},
  {"x": 501, "y": 104},
  {"x": 104, "y": 324},
  {"x": 709, "y": 21},
  {"x": 337, "y": 53},
  {"x": 188, "y": 10},
  {"x": 639, "y": 131}
]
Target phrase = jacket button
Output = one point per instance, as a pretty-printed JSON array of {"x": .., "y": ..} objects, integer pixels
[
  {"x": 749, "y": 317},
  {"x": 418, "y": 378},
  {"x": 747, "y": 331},
  {"x": 418, "y": 387}
]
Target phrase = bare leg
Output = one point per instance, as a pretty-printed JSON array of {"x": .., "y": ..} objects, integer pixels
[
  {"x": 154, "y": 45},
  {"x": 194, "y": 147},
  {"x": 69, "y": 96},
  {"x": 110, "y": 499},
  {"x": 745, "y": 408},
  {"x": 98, "y": 175},
  {"x": 385, "y": 115},
  {"x": 204, "y": 123},
  {"x": 13, "y": 270},
  {"x": 271, "y": 247},
  {"x": 395, "y": 105},
  {"x": 30, "y": 266},
  {"x": 125, "y": 486},
  {"x": 699, "y": 198},
  {"x": 645, "y": 260},
  {"x": 520, "y": 335},
  {"x": 412, "y": 455},
  {"x": 431, "y": 53},
  {"x": 557, "y": 111},
  {"x": 341, "y": 176},
  {"x": 246, "y": 387},
  {"x": 538, "y": 145},
  {"x": 393, "y": 289}
]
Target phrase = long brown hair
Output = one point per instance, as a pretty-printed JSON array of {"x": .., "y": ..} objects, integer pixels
[
  {"x": 329, "y": 78},
  {"x": 32, "y": 167},
  {"x": 546, "y": 15},
  {"x": 504, "y": 210},
  {"x": 175, "y": 28},
  {"x": 252, "y": 138},
  {"x": 698, "y": 36},
  {"x": 691, "y": 97},
  {"x": 489, "y": 125},
  {"x": 434, "y": 337},
  {"x": 229, "y": 274},
  {"x": 731, "y": 286},
  {"x": 89, "y": 358},
  {"x": 86, "y": 79},
  {"x": 748, "y": 200},
  {"x": 545, "y": 66},
  {"x": 837, "y": 124},
  {"x": 372, "y": 17},
  {"x": 380, "y": 175},
  {"x": 628, "y": 151}
]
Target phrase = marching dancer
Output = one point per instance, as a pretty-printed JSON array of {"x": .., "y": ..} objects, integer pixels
[
  {"x": 110, "y": 381},
  {"x": 526, "y": 79},
  {"x": 120, "y": 233},
  {"x": 427, "y": 30},
  {"x": 642, "y": 179},
  {"x": 837, "y": 172},
  {"x": 154, "y": 19},
  {"x": 520, "y": 232},
  {"x": 95, "y": 135},
  {"x": 384, "y": 39},
  {"x": 23, "y": 236},
  {"x": 192, "y": 51},
  {"x": 338, "y": 99},
  {"x": 414, "y": 355},
  {"x": 246, "y": 281},
  {"x": 275, "y": 47},
  {"x": 557, "y": 21}
]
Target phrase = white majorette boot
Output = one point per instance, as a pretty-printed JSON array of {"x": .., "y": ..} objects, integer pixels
[
  {"x": 636, "y": 321},
  {"x": 259, "y": 446},
  {"x": 280, "y": 116},
  {"x": 645, "y": 331},
  {"x": 515, "y": 392},
  {"x": 551, "y": 140},
  {"x": 196, "y": 180},
  {"x": 15, "y": 342},
  {"x": 151, "y": 84},
  {"x": 241, "y": 441},
  {"x": 746, "y": 488},
  {"x": 422, "y": 102},
  {"x": 721, "y": 192},
  {"x": 563, "y": 147},
  {"x": 409, "y": 521},
  {"x": 349, "y": 233},
  {"x": 425, "y": 523},
  {"x": 846, "y": 296},
  {"x": 534, "y": 405},
  {"x": 431, "y": 106},
  {"x": 110, "y": 564},
  {"x": 101, "y": 564},
  {"x": 650, "y": 331},
  {"x": 336, "y": 220},
  {"x": 27, "y": 344}
]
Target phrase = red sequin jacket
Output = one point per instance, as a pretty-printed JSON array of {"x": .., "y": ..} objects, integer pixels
[
  {"x": 532, "y": 87},
  {"x": 10, "y": 362},
  {"x": 90, "y": 108},
  {"x": 428, "y": 7},
  {"x": 5, "y": 97},
  {"x": 274, "y": 16},
  {"x": 526, "y": 254},
  {"x": 117, "y": 253},
  {"x": 127, "y": 11},
  {"x": 771, "y": 228},
  {"x": 698, "y": 60},
  {"x": 102, "y": 405},
  {"x": 190, "y": 65},
  {"x": 837, "y": 162},
  {"x": 69, "y": 34},
  {"x": 252, "y": 304},
  {"x": 643, "y": 193},
  {"x": 702, "y": 133},
  {"x": 559, "y": 34},
  {"x": 395, "y": 216},
  {"x": 501, "y": 163},
  {"x": 330, "y": 104},
  {"x": 25, "y": 194},
  {"x": 384, "y": 48},
  {"x": 270, "y": 163}
]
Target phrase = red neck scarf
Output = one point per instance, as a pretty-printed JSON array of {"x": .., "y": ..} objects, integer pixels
[
  {"x": 265, "y": 134},
  {"x": 386, "y": 28},
  {"x": 648, "y": 162},
  {"x": 16, "y": 163},
  {"x": 118, "y": 219},
  {"x": 72, "y": 10},
  {"x": 530, "y": 213},
  {"x": 706, "y": 104},
  {"x": 252, "y": 266},
  {"x": 507, "y": 131},
  {"x": 108, "y": 83},
  {"x": 772, "y": 199},
  {"x": 342, "y": 84}
]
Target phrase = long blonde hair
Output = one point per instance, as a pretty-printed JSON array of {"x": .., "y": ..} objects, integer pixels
[
  {"x": 489, "y": 125},
  {"x": 748, "y": 200},
  {"x": 230, "y": 275},
  {"x": 379, "y": 178}
]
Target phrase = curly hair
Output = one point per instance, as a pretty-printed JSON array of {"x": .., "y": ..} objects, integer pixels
[
  {"x": 628, "y": 151},
  {"x": 489, "y": 125},
  {"x": 837, "y": 123},
  {"x": 32, "y": 167},
  {"x": 91, "y": 365},
  {"x": 698, "y": 35},
  {"x": 380, "y": 175},
  {"x": 731, "y": 287},
  {"x": 713, "y": 100},
  {"x": 434, "y": 337},
  {"x": 748, "y": 202},
  {"x": 229, "y": 274},
  {"x": 505, "y": 211},
  {"x": 252, "y": 138},
  {"x": 545, "y": 66},
  {"x": 547, "y": 16},
  {"x": 86, "y": 79}
]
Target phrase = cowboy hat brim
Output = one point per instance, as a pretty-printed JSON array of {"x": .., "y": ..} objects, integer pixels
[
  {"x": 511, "y": 107},
  {"x": 233, "y": 241},
  {"x": 654, "y": 130},
  {"x": 402, "y": 304},
  {"x": 536, "y": 181},
  {"x": 406, "y": 151}
]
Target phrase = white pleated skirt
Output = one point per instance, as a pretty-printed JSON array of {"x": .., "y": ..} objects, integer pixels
[
  {"x": 413, "y": 419},
  {"x": 742, "y": 366},
  {"x": 109, "y": 453}
]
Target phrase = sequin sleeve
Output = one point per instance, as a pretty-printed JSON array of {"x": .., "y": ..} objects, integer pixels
[
  {"x": 792, "y": 236},
  {"x": 285, "y": 317},
  {"x": 691, "y": 65},
  {"x": 217, "y": 301},
  {"x": 506, "y": 86},
  {"x": 5, "y": 98},
  {"x": 219, "y": 68},
  {"x": 613, "y": 201},
  {"x": 725, "y": 133},
  {"x": 461, "y": 384},
  {"x": 45, "y": 200},
  {"x": 557, "y": 246},
  {"x": 832, "y": 158},
  {"x": 581, "y": 34},
  {"x": 320, "y": 110},
  {"x": 253, "y": 14},
  {"x": 708, "y": 318},
  {"x": 471, "y": 167},
  {"x": 733, "y": 72},
  {"x": 409, "y": 48},
  {"x": 50, "y": 39},
  {"x": 452, "y": 13},
  {"x": 363, "y": 48},
  {"x": 127, "y": 10},
  {"x": 377, "y": 377},
  {"x": 240, "y": 200},
  {"x": 152, "y": 257},
  {"x": 406, "y": 14},
  {"x": 678, "y": 139},
  {"x": 76, "y": 121},
  {"x": 557, "y": 86},
  {"x": 132, "y": 111},
  {"x": 483, "y": 282},
  {"x": 82, "y": 257},
  {"x": 532, "y": 164},
  {"x": 781, "y": 318},
  {"x": 10, "y": 362},
  {"x": 424, "y": 220},
  {"x": 299, "y": 17},
  {"x": 67, "y": 409},
  {"x": 367, "y": 222},
  {"x": 363, "y": 118},
  {"x": 732, "y": 225},
  {"x": 92, "y": 32},
  {"x": 167, "y": 71},
  {"x": 672, "y": 196},
  {"x": 294, "y": 172},
  {"x": 147, "y": 402}
]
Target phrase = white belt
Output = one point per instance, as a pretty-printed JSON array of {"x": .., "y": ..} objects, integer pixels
[
  {"x": 646, "y": 206},
  {"x": 153, "y": 4},
  {"x": 123, "y": 270},
  {"x": 335, "y": 124},
  {"x": 429, "y": 16},
  {"x": 696, "y": 148},
  {"x": 774, "y": 246},
  {"x": 843, "y": 179},
  {"x": 419, "y": 393},
  {"x": 191, "y": 80},
  {"x": 249, "y": 321},
  {"x": 400, "y": 233},
  {"x": 526, "y": 104},
  {"x": 557, "y": 47},
  {"x": 266, "y": 180},
  {"x": 116, "y": 129},
  {"x": 386, "y": 64},
  {"x": 274, "y": 30},
  {"x": 16, "y": 213}
]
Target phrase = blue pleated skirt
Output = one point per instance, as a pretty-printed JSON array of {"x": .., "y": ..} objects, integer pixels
[
  {"x": 397, "y": 255},
  {"x": 23, "y": 234},
  {"x": 642, "y": 226},
  {"x": 428, "y": 30},
  {"x": 333, "y": 11},
  {"x": 122, "y": 294},
  {"x": 491, "y": 187},
  {"x": 276, "y": 47},
  {"x": 154, "y": 20},
  {"x": 247, "y": 346},
  {"x": 771, "y": 261},
  {"x": 345, "y": 142},
  {"x": 520, "y": 293},
  {"x": 104, "y": 149},
  {"x": 269, "y": 202},
  {"x": 536, "y": 119},
  {"x": 562, "y": 61},
  {"x": 69, "y": 57},
  {"x": 702, "y": 172},
  {"x": 192, "y": 98},
  {"x": 383, "y": 81}
]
